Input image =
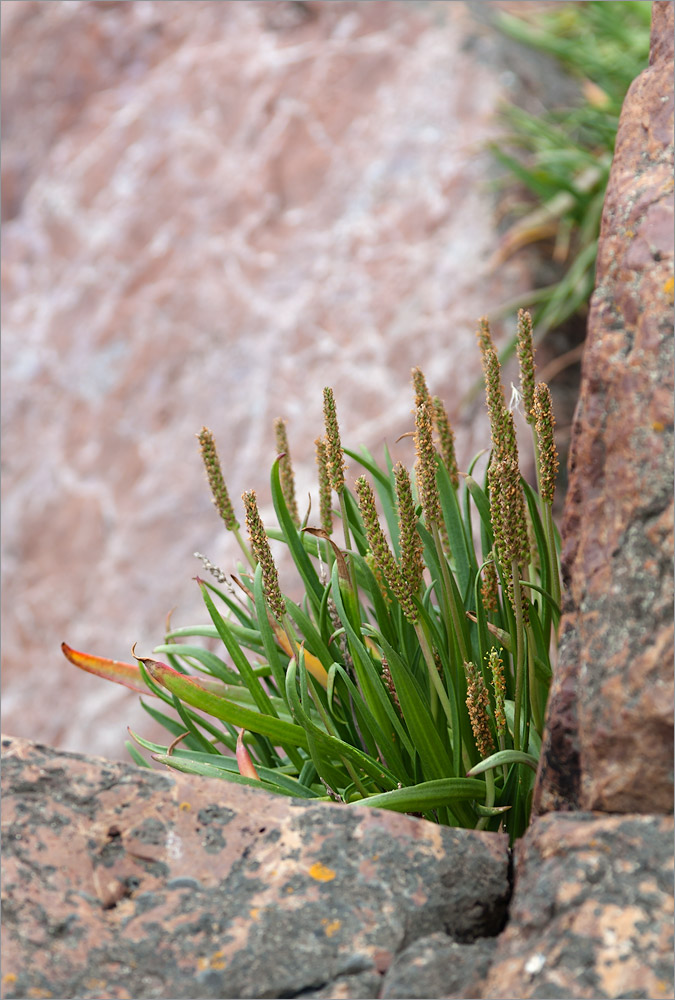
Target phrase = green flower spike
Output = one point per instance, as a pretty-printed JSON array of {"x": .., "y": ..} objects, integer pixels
[
  {"x": 477, "y": 702},
  {"x": 325, "y": 506},
  {"x": 286, "y": 470},
  {"x": 425, "y": 466},
  {"x": 548, "y": 455},
  {"x": 221, "y": 497},
  {"x": 525, "y": 352},
  {"x": 420, "y": 386},
  {"x": 483, "y": 335},
  {"x": 263, "y": 554},
  {"x": 334, "y": 452},
  {"x": 499, "y": 686},
  {"x": 446, "y": 440},
  {"x": 412, "y": 562},
  {"x": 382, "y": 554}
]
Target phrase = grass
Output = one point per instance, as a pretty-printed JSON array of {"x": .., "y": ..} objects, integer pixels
[
  {"x": 414, "y": 672},
  {"x": 559, "y": 158}
]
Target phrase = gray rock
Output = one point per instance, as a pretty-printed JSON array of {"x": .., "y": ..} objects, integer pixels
[
  {"x": 437, "y": 966},
  {"x": 123, "y": 882},
  {"x": 592, "y": 911}
]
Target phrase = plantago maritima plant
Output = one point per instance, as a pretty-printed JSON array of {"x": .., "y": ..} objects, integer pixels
[{"x": 414, "y": 673}]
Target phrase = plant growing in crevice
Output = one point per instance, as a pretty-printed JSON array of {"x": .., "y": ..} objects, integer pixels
[{"x": 413, "y": 674}]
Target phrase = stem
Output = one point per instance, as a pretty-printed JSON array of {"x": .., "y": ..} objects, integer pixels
[
  {"x": 436, "y": 681},
  {"x": 489, "y": 798},
  {"x": 520, "y": 658},
  {"x": 448, "y": 595},
  {"x": 552, "y": 552},
  {"x": 286, "y": 626},
  {"x": 348, "y": 541},
  {"x": 332, "y": 731},
  {"x": 532, "y": 683},
  {"x": 244, "y": 548}
]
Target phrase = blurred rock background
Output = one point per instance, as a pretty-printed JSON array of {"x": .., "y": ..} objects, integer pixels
[{"x": 211, "y": 211}]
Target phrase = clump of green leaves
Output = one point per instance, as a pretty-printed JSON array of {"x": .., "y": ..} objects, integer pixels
[
  {"x": 562, "y": 155},
  {"x": 413, "y": 674}
]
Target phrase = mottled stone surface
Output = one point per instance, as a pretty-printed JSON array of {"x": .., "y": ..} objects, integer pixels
[
  {"x": 122, "y": 882},
  {"x": 437, "y": 966},
  {"x": 592, "y": 911},
  {"x": 609, "y": 743},
  {"x": 212, "y": 211}
]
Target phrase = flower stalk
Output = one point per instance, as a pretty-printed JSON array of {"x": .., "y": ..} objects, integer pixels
[{"x": 219, "y": 491}]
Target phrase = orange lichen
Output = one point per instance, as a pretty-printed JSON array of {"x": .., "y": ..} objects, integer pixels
[
  {"x": 321, "y": 873},
  {"x": 330, "y": 926}
]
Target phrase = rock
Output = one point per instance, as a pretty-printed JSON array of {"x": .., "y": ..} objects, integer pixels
[
  {"x": 592, "y": 911},
  {"x": 124, "y": 882},
  {"x": 609, "y": 741},
  {"x": 437, "y": 966},
  {"x": 213, "y": 210}
]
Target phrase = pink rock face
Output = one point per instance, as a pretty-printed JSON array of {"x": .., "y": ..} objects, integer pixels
[
  {"x": 214, "y": 210},
  {"x": 610, "y": 726}
]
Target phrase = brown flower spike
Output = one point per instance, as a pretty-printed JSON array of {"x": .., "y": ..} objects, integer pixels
[
  {"x": 263, "y": 554},
  {"x": 221, "y": 497},
  {"x": 286, "y": 476}
]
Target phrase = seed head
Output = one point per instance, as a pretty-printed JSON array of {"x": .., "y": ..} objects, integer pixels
[
  {"x": 512, "y": 515},
  {"x": 478, "y": 702},
  {"x": 389, "y": 684},
  {"x": 334, "y": 452},
  {"x": 483, "y": 334},
  {"x": 548, "y": 455},
  {"x": 499, "y": 687},
  {"x": 286, "y": 469},
  {"x": 446, "y": 440},
  {"x": 525, "y": 351},
  {"x": 379, "y": 578},
  {"x": 425, "y": 466},
  {"x": 325, "y": 509},
  {"x": 382, "y": 554},
  {"x": 412, "y": 563},
  {"x": 420, "y": 386},
  {"x": 263, "y": 554},
  {"x": 501, "y": 419},
  {"x": 214, "y": 570},
  {"x": 221, "y": 497},
  {"x": 509, "y": 525}
]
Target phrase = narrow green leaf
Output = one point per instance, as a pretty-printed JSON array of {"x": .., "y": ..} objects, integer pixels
[
  {"x": 330, "y": 745},
  {"x": 252, "y": 682},
  {"x": 137, "y": 757},
  {"x": 415, "y": 708},
  {"x": 504, "y": 757},
  {"x": 428, "y": 795},
  {"x": 461, "y": 551},
  {"x": 277, "y": 730},
  {"x": 482, "y": 503},
  {"x": 367, "y": 676},
  {"x": 211, "y": 663},
  {"x": 267, "y": 635},
  {"x": 208, "y": 770}
]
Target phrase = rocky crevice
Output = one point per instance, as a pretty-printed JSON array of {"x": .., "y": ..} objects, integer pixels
[{"x": 121, "y": 882}]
